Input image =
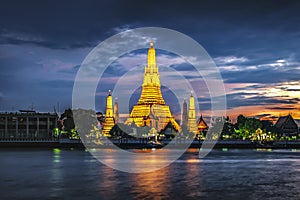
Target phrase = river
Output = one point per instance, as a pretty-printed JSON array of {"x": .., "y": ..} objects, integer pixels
[{"x": 223, "y": 174}]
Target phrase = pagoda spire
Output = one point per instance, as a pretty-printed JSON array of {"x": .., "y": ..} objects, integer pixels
[
  {"x": 151, "y": 109},
  {"x": 184, "y": 117},
  {"x": 116, "y": 111},
  {"x": 151, "y": 93},
  {"x": 192, "y": 125},
  {"x": 108, "y": 112},
  {"x": 151, "y": 55},
  {"x": 109, "y": 119}
]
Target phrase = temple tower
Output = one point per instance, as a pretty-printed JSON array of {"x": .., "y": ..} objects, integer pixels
[
  {"x": 151, "y": 93},
  {"x": 192, "y": 125},
  {"x": 116, "y": 111},
  {"x": 184, "y": 117},
  {"x": 151, "y": 104},
  {"x": 109, "y": 119}
]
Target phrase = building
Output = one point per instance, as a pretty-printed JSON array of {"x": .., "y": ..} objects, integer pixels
[
  {"x": 27, "y": 124},
  {"x": 184, "y": 116},
  {"x": 109, "y": 119},
  {"x": 202, "y": 126},
  {"x": 192, "y": 124},
  {"x": 168, "y": 131},
  {"x": 151, "y": 109},
  {"x": 287, "y": 126},
  {"x": 116, "y": 111}
]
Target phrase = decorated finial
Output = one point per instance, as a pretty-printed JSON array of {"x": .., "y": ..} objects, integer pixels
[
  {"x": 151, "y": 43},
  {"x": 109, "y": 92}
]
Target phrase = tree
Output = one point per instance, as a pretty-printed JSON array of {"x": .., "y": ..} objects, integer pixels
[
  {"x": 68, "y": 124},
  {"x": 241, "y": 119},
  {"x": 86, "y": 122},
  {"x": 252, "y": 124},
  {"x": 228, "y": 128},
  {"x": 246, "y": 127},
  {"x": 215, "y": 131}
]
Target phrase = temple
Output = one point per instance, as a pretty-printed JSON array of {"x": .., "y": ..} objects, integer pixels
[
  {"x": 116, "y": 111},
  {"x": 202, "y": 126},
  {"x": 287, "y": 126},
  {"x": 184, "y": 117},
  {"x": 191, "y": 124},
  {"x": 151, "y": 109},
  {"x": 109, "y": 119}
]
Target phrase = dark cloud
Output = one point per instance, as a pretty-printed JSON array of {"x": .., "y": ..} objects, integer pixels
[
  {"x": 261, "y": 75},
  {"x": 238, "y": 100},
  {"x": 292, "y": 90},
  {"x": 262, "y": 115},
  {"x": 261, "y": 31},
  {"x": 61, "y": 24},
  {"x": 281, "y": 108}
]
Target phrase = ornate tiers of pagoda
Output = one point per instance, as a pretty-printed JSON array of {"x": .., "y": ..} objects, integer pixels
[
  {"x": 151, "y": 109},
  {"x": 109, "y": 119}
]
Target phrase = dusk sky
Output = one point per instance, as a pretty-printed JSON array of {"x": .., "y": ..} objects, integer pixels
[{"x": 255, "y": 45}]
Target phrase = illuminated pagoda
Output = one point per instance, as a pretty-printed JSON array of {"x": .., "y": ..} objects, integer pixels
[
  {"x": 192, "y": 125},
  {"x": 151, "y": 109},
  {"x": 109, "y": 119}
]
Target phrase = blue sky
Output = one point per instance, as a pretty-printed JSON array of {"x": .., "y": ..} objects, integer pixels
[{"x": 254, "y": 44}]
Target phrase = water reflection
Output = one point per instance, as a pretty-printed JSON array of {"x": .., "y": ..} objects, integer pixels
[
  {"x": 234, "y": 174},
  {"x": 192, "y": 178},
  {"x": 56, "y": 174},
  {"x": 152, "y": 184},
  {"x": 107, "y": 182}
]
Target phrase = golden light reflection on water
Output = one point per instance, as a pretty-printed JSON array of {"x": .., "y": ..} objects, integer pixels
[
  {"x": 192, "y": 160},
  {"x": 108, "y": 185},
  {"x": 151, "y": 184},
  {"x": 192, "y": 177},
  {"x": 136, "y": 161},
  {"x": 192, "y": 150}
]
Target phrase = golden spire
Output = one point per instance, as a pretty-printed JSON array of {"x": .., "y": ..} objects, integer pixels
[
  {"x": 151, "y": 109},
  {"x": 192, "y": 125},
  {"x": 109, "y": 120},
  {"x": 151, "y": 93},
  {"x": 151, "y": 56},
  {"x": 109, "y": 112},
  {"x": 192, "y": 101}
]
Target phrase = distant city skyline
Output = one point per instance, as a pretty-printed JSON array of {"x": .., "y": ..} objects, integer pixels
[{"x": 255, "y": 46}]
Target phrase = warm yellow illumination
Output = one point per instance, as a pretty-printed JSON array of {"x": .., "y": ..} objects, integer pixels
[
  {"x": 202, "y": 126},
  {"x": 109, "y": 120},
  {"x": 151, "y": 109},
  {"x": 192, "y": 125}
]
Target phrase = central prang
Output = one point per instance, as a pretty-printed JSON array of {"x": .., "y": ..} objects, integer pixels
[{"x": 151, "y": 109}]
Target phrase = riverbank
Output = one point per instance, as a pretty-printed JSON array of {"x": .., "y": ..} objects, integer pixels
[{"x": 66, "y": 143}]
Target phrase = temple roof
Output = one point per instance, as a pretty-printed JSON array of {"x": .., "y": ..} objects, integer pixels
[
  {"x": 202, "y": 124},
  {"x": 283, "y": 120},
  {"x": 169, "y": 125}
]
